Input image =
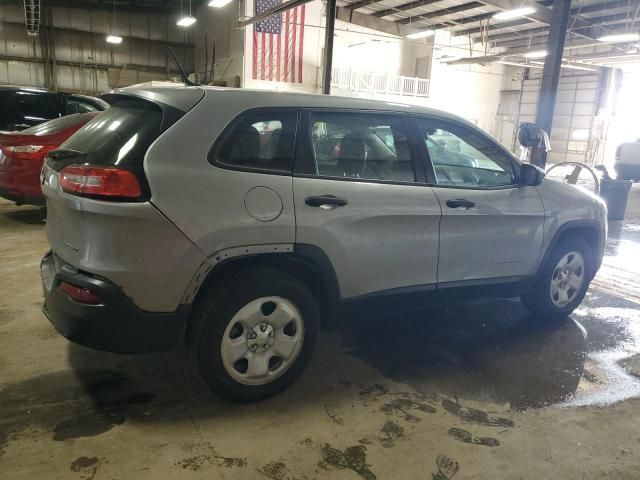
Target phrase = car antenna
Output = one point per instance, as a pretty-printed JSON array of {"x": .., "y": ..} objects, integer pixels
[{"x": 184, "y": 75}]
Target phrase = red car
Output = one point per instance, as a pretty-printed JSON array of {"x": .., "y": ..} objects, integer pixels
[{"x": 22, "y": 154}]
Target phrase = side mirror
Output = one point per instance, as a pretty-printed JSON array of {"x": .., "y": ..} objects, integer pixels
[{"x": 530, "y": 175}]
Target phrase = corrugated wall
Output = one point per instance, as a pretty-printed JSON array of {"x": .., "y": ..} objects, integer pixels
[{"x": 83, "y": 61}]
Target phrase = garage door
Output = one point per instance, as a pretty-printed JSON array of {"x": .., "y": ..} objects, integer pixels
[{"x": 576, "y": 107}]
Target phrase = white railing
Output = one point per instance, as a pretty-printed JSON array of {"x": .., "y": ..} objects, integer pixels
[{"x": 375, "y": 83}]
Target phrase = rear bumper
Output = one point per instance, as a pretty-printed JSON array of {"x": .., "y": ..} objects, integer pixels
[{"x": 116, "y": 324}]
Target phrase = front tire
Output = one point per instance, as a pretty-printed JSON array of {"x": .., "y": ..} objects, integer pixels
[
  {"x": 254, "y": 333},
  {"x": 563, "y": 281}
]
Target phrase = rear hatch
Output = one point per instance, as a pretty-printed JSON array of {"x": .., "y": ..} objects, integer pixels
[{"x": 95, "y": 186}]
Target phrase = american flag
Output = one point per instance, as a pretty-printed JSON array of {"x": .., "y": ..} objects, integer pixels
[{"x": 278, "y": 44}]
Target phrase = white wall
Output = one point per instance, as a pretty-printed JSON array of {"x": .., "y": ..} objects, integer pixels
[{"x": 471, "y": 91}]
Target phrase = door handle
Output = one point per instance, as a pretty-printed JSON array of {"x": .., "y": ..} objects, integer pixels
[
  {"x": 460, "y": 203},
  {"x": 325, "y": 201}
]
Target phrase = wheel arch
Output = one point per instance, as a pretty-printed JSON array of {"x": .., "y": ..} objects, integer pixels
[
  {"x": 587, "y": 230},
  {"x": 308, "y": 263}
]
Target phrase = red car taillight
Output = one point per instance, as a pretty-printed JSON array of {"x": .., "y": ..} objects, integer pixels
[
  {"x": 27, "y": 152},
  {"x": 108, "y": 183},
  {"x": 618, "y": 153}
]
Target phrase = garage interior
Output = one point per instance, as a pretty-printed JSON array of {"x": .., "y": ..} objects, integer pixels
[{"x": 471, "y": 390}]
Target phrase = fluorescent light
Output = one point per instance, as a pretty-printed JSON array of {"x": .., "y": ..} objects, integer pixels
[
  {"x": 186, "y": 21},
  {"x": 536, "y": 54},
  {"x": 114, "y": 39},
  {"x": 219, "y": 3},
  {"x": 422, "y": 34},
  {"x": 515, "y": 13},
  {"x": 621, "y": 37}
]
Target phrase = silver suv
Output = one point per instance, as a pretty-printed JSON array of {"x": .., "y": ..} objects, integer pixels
[{"x": 246, "y": 221}]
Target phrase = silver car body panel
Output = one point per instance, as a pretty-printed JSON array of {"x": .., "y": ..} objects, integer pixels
[
  {"x": 501, "y": 236},
  {"x": 388, "y": 236},
  {"x": 564, "y": 203},
  {"x": 131, "y": 244}
]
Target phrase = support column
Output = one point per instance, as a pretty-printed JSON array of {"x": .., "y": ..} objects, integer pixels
[
  {"x": 328, "y": 46},
  {"x": 551, "y": 74}
]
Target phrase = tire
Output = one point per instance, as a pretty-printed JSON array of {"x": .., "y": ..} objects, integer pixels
[
  {"x": 545, "y": 298},
  {"x": 249, "y": 310}
]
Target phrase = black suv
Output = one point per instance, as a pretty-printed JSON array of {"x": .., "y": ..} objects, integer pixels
[{"x": 22, "y": 107}]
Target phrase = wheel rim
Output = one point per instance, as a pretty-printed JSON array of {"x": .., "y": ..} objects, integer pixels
[
  {"x": 567, "y": 279},
  {"x": 262, "y": 340}
]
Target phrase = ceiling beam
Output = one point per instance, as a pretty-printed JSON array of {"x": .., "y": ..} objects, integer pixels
[
  {"x": 362, "y": 19},
  {"x": 519, "y": 51},
  {"x": 522, "y": 35},
  {"x": 361, "y": 3},
  {"x": 544, "y": 15},
  {"x": 434, "y": 14},
  {"x": 490, "y": 27},
  {"x": 598, "y": 7}
]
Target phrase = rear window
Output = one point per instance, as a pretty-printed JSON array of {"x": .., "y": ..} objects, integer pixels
[
  {"x": 59, "y": 124},
  {"x": 120, "y": 135}
]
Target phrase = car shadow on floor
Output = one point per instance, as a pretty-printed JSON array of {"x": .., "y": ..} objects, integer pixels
[
  {"x": 491, "y": 350},
  {"x": 485, "y": 349},
  {"x": 25, "y": 215}
]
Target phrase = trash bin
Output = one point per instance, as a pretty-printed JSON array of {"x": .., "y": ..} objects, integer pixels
[{"x": 615, "y": 194}]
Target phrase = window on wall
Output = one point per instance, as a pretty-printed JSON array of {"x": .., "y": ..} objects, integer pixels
[
  {"x": 262, "y": 141},
  {"x": 361, "y": 146},
  {"x": 463, "y": 157}
]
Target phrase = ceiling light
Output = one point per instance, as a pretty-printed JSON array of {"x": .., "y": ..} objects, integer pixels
[
  {"x": 536, "y": 54},
  {"x": 219, "y": 3},
  {"x": 422, "y": 34},
  {"x": 515, "y": 13},
  {"x": 186, "y": 21},
  {"x": 621, "y": 37},
  {"x": 115, "y": 39}
]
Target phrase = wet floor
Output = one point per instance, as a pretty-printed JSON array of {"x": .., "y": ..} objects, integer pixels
[{"x": 449, "y": 391}]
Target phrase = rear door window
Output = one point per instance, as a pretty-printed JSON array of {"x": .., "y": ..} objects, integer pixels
[
  {"x": 262, "y": 141},
  {"x": 361, "y": 146},
  {"x": 120, "y": 135}
]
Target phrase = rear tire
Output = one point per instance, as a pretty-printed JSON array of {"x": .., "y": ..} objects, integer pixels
[
  {"x": 254, "y": 333},
  {"x": 563, "y": 281}
]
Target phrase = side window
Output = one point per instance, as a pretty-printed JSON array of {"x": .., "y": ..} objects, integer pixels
[
  {"x": 462, "y": 157},
  {"x": 262, "y": 141},
  {"x": 76, "y": 106},
  {"x": 34, "y": 108},
  {"x": 361, "y": 146}
]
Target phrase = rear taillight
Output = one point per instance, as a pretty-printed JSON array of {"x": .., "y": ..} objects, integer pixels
[
  {"x": 618, "y": 153},
  {"x": 27, "y": 152},
  {"x": 79, "y": 294},
  {"x": 108, "y": 183}
]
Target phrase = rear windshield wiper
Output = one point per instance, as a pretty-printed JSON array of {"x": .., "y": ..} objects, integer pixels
[{"x": 64, "y": 153}]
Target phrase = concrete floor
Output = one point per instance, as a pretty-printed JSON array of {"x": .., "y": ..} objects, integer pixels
[{"x": 479, "y": 391}]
